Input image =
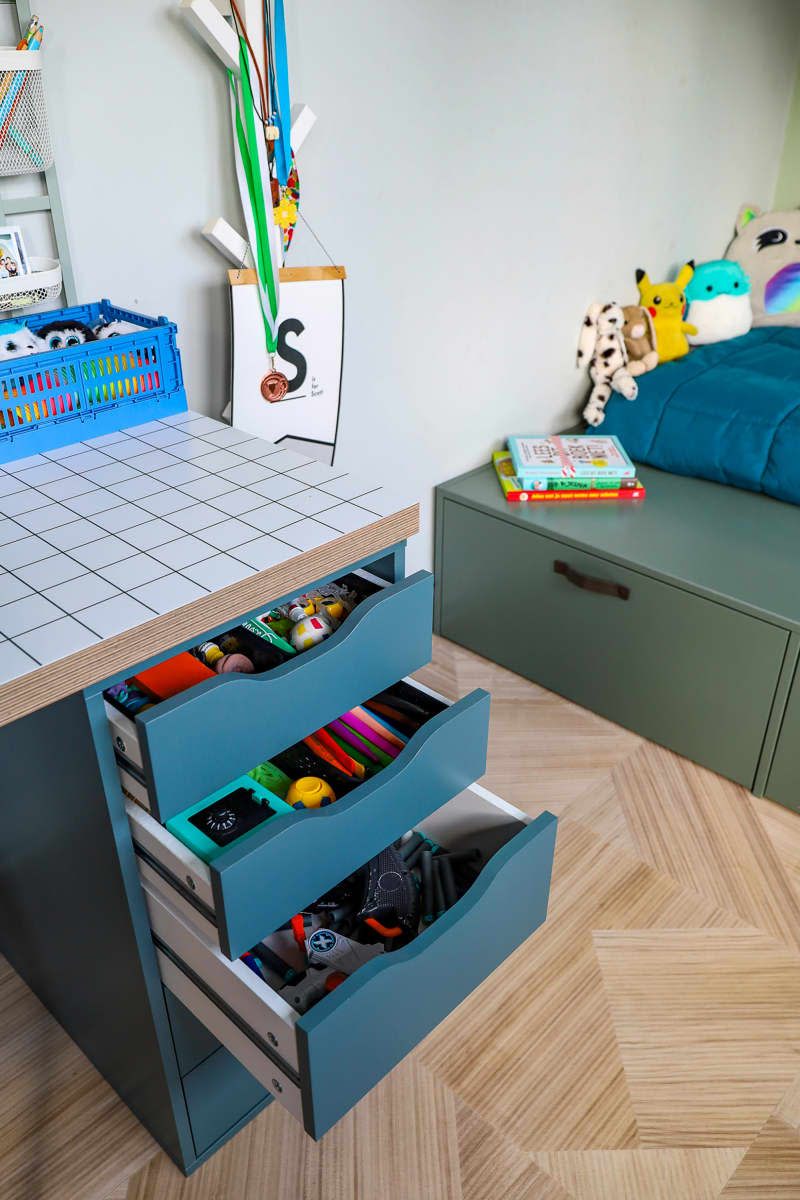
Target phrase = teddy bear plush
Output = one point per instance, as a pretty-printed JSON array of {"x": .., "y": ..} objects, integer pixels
[
  {"x": 601, "y": 348},
  {"x": 640, "y": 339}
]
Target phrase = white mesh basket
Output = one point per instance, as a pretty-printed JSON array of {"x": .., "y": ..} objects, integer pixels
[
  {"x": 43, "y": 282},
  {"x": 24, "y": 129}
]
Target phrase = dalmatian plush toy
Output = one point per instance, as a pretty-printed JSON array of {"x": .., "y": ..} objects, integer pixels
[{"x": 601, "y": 348}]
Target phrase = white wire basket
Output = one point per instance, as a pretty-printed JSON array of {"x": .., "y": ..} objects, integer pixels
[
  {"x": 43, "y": 282},
  {"x": 24, "y": 128}
]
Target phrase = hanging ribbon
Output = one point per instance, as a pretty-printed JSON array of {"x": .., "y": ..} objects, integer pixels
[
  {"x": 279, "y": 92},
  {"x": 252, "y": 174}
]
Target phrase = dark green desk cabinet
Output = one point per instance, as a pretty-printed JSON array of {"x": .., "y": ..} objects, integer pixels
[{"x": 678, "y": 618}]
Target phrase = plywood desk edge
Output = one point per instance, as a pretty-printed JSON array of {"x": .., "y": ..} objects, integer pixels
[{"x": 29, "y": 693}]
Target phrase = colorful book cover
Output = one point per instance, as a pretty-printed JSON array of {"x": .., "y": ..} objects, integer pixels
[
  {"x": 515, "y": 493},
  {"x": 569, "y": 456}
]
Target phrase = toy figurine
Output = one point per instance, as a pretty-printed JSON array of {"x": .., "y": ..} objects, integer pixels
[
  {"x": 310, "y": 632},
  {"x": 665, "y": 303}
]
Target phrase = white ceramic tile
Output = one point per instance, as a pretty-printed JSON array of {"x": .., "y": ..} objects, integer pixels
[
  {"x": 181, "y": 473},
  {"x": 114, "y": 615},
  {"x": 191, "y": 448},
  {"x": 14, "y": 662},
  {"x": 163, "y": 437},
  {"x": 346, "y": 518},
  {"x": 317, "y": 472},
  {"x": 63, "y": 489},
  {"x": 128, "y": 448},
  {"x": 96, "y": 501},
  {"x": 279, "y": 487},
  {"x": 218, "y": 571},
  {"x": 78, "y": 593},
  {"x": 151, "y": 461},
  {"x": 145, "y": 427},
  {"x": 382, "y": 502},
  {"x": 262, "y": 552},
  {"x": 231, "y": 532},
  {"x": 42, "y": 474},
  {"x": 30, "y": 612},
  {"x": 19, "y": 502},
  {"x": 133, "y": 571},
  {"x": 56, "y": 640},
  {"x": 270, "y": 517},
  {"x": 114, "y": 473},
  {"x": 12, "y": 588},
  {"x": 201, "y": 425},
  {"x": 24, "y": 464},
  {"x": 62, "y": 452},
  {"x": 286, "y": 460},
  {"x": 10, "y": 531},
  {"x": 207, "y": 489},
  {"x": 171, "y": 591},
  {"x": 48, "y": 516},
  {"x": 256, "y": 448},
  {"x": 135, "y": 489},
  {"x": 181, "y": 418},
  {"x": 166, "y": 502},
  {"x": 9, "y": 484},
  {"x": 310, "y": 502},
  {"x": 105, "y": 439},
  {"x": 55, "y": 569},
  {"x": 348, "y": 487},
  {"x": 27, "y": 550},
  {"x": 218, "y": 460},
  {"x": 198, "y": 516},
  {"x": 182, "y": 552},
  {"x": 240, "y": 500},
  {"x": 77, "y": 533},
  {"x": 88, "y": 459},
  {"x": 226, "y": 436},
  {"x": 247, "y": 473},
  {"x": 102, "y": 553},
  {"x": 124, "y": 516},
  {"x": 306, "y": 534},
  {"x": 151, "y": 533}
]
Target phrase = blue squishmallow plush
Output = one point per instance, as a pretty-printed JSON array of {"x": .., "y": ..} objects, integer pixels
[{"x": 718, "y": 296}]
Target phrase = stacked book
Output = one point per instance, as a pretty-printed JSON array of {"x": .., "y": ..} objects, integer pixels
[{"x": 567, "y": 467}]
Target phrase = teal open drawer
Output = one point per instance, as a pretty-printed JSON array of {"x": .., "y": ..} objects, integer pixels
[
  {"x": 199, "y": 740},
  {"x": 319, "y": 1065},
  {"x": 293, "y": 859}
]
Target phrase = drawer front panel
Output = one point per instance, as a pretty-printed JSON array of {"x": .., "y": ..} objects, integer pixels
[
  {"x": 691, "y": 674},
  {"x": 353, "y": 1038},
  {"x": 220, "y": 1093},
  {"x": 267, "y": 879},
  {"x": 783, "y": 784},
  {"x": 199, "y": 740}
]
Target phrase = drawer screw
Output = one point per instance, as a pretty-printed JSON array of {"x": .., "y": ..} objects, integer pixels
[
  {"x": 277, "y": 1086},
  {"x": 120, "y": 743},
  {"x": 273, "y": 1041},
  {"x": 191, "y": 883}
]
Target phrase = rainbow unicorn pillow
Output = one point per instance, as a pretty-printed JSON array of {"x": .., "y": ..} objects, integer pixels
[{"x": 767, "y": 247}]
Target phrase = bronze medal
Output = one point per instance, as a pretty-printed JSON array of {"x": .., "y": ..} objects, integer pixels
[{"x": 274, "y": 386}]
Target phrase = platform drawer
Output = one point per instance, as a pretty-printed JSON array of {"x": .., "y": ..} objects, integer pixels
[
  {"x": 295, "y": 858},
  {"x": 691, "y": 674},
  {"x": 194, "y": 743},
  {"x": 320, "y": 1064}
]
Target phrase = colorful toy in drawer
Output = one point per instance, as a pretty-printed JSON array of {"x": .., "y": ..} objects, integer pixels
[
  {"x": 298, "y": 761},
  {"x": 228, "y": 816},
  {"x": 311, "y": 631},
  {"x": 271, "y": 778},
  {"x": 172, "y": 676},
  {"x": 310, "y": 792},
  {"x": 78, "y": 392}
]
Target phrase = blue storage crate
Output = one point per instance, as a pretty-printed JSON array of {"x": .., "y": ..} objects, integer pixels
[{"x": 61, "y": 396}]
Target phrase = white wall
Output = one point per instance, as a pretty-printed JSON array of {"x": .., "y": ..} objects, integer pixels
[{"x": 483, "y": 170}]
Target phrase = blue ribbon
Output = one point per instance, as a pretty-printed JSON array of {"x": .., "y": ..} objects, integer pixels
[{"x": 279, "y": 91}]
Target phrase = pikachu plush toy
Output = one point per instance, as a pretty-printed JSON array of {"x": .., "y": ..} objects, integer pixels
[{"x": 666, "y": 302}]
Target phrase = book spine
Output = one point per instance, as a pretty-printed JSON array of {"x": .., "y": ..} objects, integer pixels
[
  {"x": 619, "y": 494},
  {"x": 590, "y": 474},
  {"x": 574, "y": 485}
]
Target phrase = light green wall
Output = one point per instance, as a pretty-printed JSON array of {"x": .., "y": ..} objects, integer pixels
[{"x": 787, "y": 189}]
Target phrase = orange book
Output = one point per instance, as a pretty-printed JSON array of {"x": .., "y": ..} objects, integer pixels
[{"x": 173, "y": 675}]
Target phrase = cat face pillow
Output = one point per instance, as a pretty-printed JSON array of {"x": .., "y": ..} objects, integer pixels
[{"x": 767, "y": 248}]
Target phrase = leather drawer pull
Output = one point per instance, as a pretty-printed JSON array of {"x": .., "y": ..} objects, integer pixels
[{"x": 604, "y": 586}]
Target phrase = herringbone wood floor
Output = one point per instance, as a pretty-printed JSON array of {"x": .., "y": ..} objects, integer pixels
[{"x": 643, "y": 1045}]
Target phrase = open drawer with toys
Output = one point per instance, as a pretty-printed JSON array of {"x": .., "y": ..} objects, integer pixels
[{"x": 320, "y": 1008}]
